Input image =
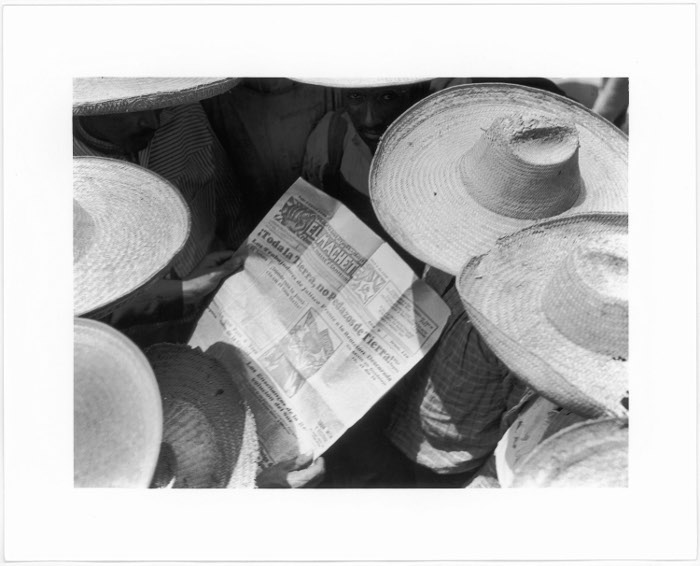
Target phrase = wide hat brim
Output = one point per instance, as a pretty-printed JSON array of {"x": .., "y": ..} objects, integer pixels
[
  {"x": 115, "y": 95},
  {"x": 118, "y": 419},
  {"x": 503, "y": 293},
  {"x": 371, "y": 82},
  {"x": 128, "y": 225},
  {"x": 538, "y": 420},
  {"x": 588, "y": 454},
  {"x": 415, "y": 182},
  {"x": 209, "y": 432}
]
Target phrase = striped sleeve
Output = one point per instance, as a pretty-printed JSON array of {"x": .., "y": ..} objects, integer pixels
[
  {"x": 187, "y": 153},
  {"x": 450, "y": 416}
]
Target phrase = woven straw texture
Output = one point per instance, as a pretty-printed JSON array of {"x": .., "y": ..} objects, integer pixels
[
  {"x": 118, "y": 419},
  {"x": 113, "y": 95},
  {"x": 589, "y": 454},
  {"x": 128, "y": 224},
  {"x": 209, "y": 436},
  {"x": 475, "y": 162},
  {"x": 551, "y": 301},
  {"x": 538, "y": 420},
  {"x": 372, "y": 82}
]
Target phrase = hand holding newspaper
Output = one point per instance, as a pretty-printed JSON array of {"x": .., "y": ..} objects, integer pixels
[{"x": 324, "y": 319}]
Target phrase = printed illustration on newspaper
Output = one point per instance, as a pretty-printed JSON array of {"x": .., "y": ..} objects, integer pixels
[{"x": 324, "y": 319}]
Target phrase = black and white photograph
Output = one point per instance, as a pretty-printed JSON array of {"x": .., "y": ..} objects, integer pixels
[
  {"x": 391, "y": 279},
  {"x": 506, "y": 197}
]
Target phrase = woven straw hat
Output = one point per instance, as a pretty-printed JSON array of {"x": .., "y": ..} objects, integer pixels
[
  {"x": 374, "y": 82},
  {"x": 588, "y": 454},
  {"x": 471, "y": 163},
  {"x": 537, "y": 420},
  {"x": 114, "y": 95},
  {"x": 128, "y": 224},
  {"x": 118, "y": 418},
  {"x": 551, "y": 301},
  {"x": 209, "y": 433}
]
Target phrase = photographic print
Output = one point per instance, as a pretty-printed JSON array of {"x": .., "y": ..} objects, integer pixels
[
  {"x": 495, "y": 207},
  {"x": 349, "y": 283}
]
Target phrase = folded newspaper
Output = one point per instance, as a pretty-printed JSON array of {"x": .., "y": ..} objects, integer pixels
[{"x": 324, "y": 319}]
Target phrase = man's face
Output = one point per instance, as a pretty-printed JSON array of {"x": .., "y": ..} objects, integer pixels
[
  {"x": 372, "y": 110},
  {"x": 131, "y": 131}
]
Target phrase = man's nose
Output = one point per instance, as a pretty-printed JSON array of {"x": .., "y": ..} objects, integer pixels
[{"x": 371, "y": 118}]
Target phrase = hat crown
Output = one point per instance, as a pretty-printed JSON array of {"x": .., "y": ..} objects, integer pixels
[
  {"x": 209, "y": 438},
  {"x": 117, "y": 410},
  {"x": 128, "y": 225},
  {"x": 524, "y": 166},
  {"x": 586, "y": 300}
]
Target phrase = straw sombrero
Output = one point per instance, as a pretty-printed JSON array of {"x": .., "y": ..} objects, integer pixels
[
  {"x": 114, "y": 95},
  {"x": 588, "y": 454},
  {"x": 551, "y": 302},
  {"x": 209, "y": 433},
  {"x": 128, "y": 224},
  {"x": 538, "y": 420},
  {"x": 118, "y": 418},
  {"x": 372, "y": 82},
  {"x": 471, "y": 163}
]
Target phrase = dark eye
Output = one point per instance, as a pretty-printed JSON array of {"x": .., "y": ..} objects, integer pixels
[
  {"x": 389, "y": 96},
  {"x": 355, "y": 97}
]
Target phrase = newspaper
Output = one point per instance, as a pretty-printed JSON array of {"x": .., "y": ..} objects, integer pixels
[{"x": 324, "y": 319}]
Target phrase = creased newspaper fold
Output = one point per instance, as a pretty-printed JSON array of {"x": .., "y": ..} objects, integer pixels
[{"x": 324, "y": 319}]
